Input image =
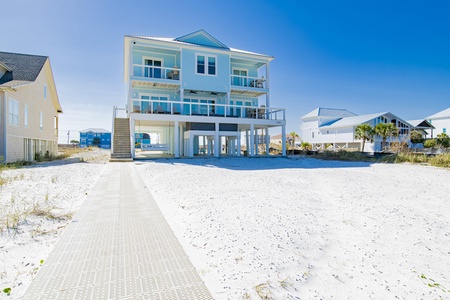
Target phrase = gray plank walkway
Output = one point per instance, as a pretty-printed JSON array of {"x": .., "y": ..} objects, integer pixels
[{"x": 118, "y": 246}]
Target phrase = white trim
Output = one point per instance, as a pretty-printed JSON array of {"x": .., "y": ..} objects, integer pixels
[
  {"x": 25, "y": 115},
  {"x": 41, "y": 121},
  {"x": 157, "y": 53},
  {"x": 206, "y": 56}
]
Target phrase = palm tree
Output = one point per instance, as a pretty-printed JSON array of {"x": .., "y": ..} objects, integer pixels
[
  {"x": 386, "y": 130},
  {"x": 364, "y": 132},
  {"x": 293, "y": 136}
]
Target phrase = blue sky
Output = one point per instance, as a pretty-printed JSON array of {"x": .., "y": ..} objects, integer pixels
[{"x": 364, "y": 56}]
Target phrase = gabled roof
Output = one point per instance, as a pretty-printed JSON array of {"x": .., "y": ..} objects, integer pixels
[
  {"x": 96, "y": 130},
  {"x": 201, "y": 37},
  {"x": 440, "y": 115},
  {"x": 352, "y": 121},
  {"x": 422, "y": 124},
  {"x": 21, "y": 68},
  {"x": 328, "y": 112}
]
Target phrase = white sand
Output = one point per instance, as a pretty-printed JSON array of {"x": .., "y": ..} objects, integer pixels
[
  {"x": 307, "y": 228},
  {"x": 43, "y": 197},
  {"x": 285, "y": 228}
]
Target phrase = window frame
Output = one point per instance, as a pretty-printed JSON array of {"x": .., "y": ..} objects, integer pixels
[
  {"x": 25, "y": 116},
  {"x": 41, "y": 121},
  {"x": 206, "y": 64},
  {"x": 13, "y": 112}
]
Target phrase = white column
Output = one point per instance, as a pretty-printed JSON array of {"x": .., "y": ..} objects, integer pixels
[
  {"x": 283, "y": 140},
  {"x": 252, "y": 140},
  {"x": 132, "y": 137},
  {"x": 256, "y": 142},
  {"x": 217, "y": 141},
  {"x": 268, "y": 84},
  {"x": 177, "y": 139},
  {"x": 239, "y": 144},
  {"x": 191, "y": 145},
  {"x": 267, "y": 137}
]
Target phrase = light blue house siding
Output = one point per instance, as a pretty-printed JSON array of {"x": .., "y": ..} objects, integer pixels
[
  {"x": 220, "y": 82},
  {"x": 87, "y": 137}
]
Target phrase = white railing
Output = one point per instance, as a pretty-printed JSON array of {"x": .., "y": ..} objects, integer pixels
[
  {"x": 145, "y": 106},
  {"x": 156, "y": 72},
  {"x": 248, "y": 81}
]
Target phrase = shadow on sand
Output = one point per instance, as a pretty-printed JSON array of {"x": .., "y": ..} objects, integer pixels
[{"x": 258, "y": 163}]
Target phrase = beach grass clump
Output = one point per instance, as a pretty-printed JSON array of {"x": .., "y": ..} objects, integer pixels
[
  {"x": 263, "y": 291},
  {"x": 440, "y": 160},
  {"x": 344, "y": 155}
]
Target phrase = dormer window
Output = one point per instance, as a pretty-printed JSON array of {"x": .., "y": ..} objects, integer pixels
[{"x": 206, "y": 65}]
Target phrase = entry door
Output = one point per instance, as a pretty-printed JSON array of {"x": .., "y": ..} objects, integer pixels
[{"x": 153, "y": 68}]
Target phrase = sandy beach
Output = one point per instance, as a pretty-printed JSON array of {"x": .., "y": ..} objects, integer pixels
[{"x": 263, "y": 228}]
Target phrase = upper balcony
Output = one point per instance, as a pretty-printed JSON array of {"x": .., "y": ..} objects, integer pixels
[
  {"x": 156, "y": 75},
  {"x": 248, "y": 85}
]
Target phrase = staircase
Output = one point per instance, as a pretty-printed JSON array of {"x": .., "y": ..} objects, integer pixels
[{"x": 121, "y": 142}]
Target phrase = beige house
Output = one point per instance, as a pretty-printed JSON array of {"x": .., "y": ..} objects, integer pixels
[{"x": 29, "y": 107}]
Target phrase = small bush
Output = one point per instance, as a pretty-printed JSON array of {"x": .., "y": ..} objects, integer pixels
[
  {"x": 430, "y": 143},
  {"x": 416, "y": 137}
]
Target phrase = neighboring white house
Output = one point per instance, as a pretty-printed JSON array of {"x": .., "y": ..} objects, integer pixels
[
  {"x": 423, "y": 126},
  {"x": 29, "y": 107},
  {"x": 198, "y": 95},
  {"x": 333, "y": 129},
  {"x": 441, "y": 123}
]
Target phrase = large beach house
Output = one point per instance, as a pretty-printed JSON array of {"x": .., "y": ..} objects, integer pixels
[
  {"x": 29, "y": 107},
  {"x": 194, "y": 95}
]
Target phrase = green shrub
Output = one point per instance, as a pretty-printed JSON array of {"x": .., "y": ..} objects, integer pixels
[
  {"x": 416, "y": 137},
  {"x": 443, "y": 140},
  {"x": 430, "y": 143}
]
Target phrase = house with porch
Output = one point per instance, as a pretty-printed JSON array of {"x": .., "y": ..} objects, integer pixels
[
  {"x": 194, "y": 95},
  {"x": 334, "y": 129},
  {"x": 29, "y": 107}
]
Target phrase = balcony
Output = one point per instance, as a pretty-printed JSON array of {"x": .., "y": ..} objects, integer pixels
[
  {"x": 153, "y": 72},
  {"x": 144, "y": 106}
]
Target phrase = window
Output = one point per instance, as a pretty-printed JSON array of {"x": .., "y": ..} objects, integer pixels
[
  {"x": 211, "y": 66},
  {"x": 153, "y": 68},
  {"x": 45, "y": 91},
  {"x": 240, "y": 77},
  {"x": 201, "y": 64},
  {"x": 13, "y": 112},
  {"x": 25, "y": 116},
  {"x": 202, "y": 68},
  {"x": 41, "y": 120}
]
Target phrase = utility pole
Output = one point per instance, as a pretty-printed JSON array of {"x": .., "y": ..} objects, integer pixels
[{"x": 68, "y": 136}]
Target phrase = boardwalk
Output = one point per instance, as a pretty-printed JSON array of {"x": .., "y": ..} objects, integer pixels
[{"x": 118, "y": 246}]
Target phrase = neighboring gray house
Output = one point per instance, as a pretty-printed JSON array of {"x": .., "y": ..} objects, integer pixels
[{"x": 29, "y": 107}]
